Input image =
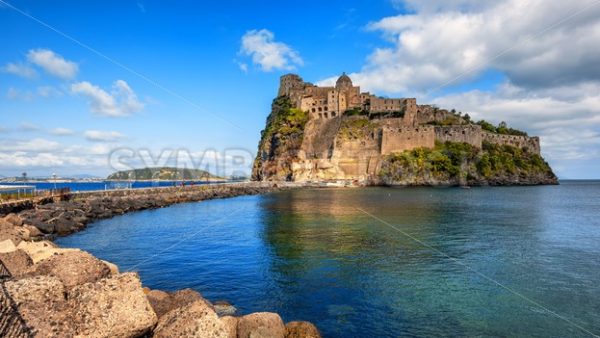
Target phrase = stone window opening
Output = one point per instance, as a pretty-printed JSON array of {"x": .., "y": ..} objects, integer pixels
[
  {"x": 333, "y": 114},
  {"x": 320, "y": 115}
]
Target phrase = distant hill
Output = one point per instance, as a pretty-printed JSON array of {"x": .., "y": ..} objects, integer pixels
[{"x": 164, "y": 173}]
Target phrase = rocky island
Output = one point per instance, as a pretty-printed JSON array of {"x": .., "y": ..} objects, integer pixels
[
  {"x": 165, "y": 174},
  {"x": 341, "y": 134}
]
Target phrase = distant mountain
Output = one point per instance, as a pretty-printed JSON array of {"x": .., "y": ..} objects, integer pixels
[
  {"x": 163, "y": 173},
  {"x": 83, "y": 176}
]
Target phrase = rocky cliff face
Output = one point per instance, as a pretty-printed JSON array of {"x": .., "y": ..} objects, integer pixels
[{"x": 433, "y": 149}]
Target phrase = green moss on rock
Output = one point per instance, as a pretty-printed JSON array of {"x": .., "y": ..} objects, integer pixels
[{"x": 453, "y": 163}]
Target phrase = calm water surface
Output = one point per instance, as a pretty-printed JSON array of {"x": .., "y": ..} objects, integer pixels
[{"x": 313, "y": 255}]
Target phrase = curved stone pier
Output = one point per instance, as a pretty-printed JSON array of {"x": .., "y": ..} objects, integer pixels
[{"x": 47, "y": 291}]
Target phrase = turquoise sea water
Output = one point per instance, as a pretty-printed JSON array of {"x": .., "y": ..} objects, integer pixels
[{"x": 517, "y": 254}]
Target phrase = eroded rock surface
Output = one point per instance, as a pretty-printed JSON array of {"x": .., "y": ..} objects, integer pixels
[
  {"x": 301, "y": 329},
  {"x": 261, "y": 325},
  {"x": 163, "y": 302},
  {"x": 73, "y": 268},
  {"x": 112, "y": 307},
  {"x": 196, "y": 319}
]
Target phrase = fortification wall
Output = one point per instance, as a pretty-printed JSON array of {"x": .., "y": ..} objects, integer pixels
[
  {"x": 531, "y": 143},
  {"x": 406, "y": 138},
  {"x": 470, "y": 134}
]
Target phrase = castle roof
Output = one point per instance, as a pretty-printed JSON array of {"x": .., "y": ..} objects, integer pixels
[{"x": 343, "y": 79}]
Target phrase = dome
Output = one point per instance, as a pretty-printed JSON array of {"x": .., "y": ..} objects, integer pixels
[{"x": 343, "y": 81}]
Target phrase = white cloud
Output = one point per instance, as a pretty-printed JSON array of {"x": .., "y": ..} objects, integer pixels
[
  {"x": 535, "y": 43},
  {"x": 19, "y": 69},
  {"x": 122, "y": 101},
  {"x": 103, "y": 136},
  {"x": 268, "y": 53},
  {"x": 28, "y": 126},
  {"x": 16, "y": 94},
  {"x": 62, "y": 131},
  {"x": 48, "y": 91},
  {"x": 53, "y": 63},
  {"x": 33, "y": 145}
]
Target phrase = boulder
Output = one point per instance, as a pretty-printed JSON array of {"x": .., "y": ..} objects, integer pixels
[
  {"x": 39, "y": 303},
  {"x": 114, "y": 269},
  {"x": 230, "y": 324},
  {"x": 7, "y": 246},
  {"x": 33, "y": 231},
  {"x": 163, "y": 302},
  {"x": 112, "y": 307},
  {"x": 261, "y": 325},
  {"x": 196, "y": 319},
  {"x": 43, "y": 226},
  {"x": 14, "y": 219},
  {"x": 16, "y": 262},
  {"x": 301, "y": 330},
  {"x": 41, "y": 250},
  {"x": 73, "y": 268},
  {"x": 224, "y": 308},
  {"x": 13, "y": 234}
]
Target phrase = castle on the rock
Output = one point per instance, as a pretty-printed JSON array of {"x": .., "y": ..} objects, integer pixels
[
  {"x": 394, "y": 125},
  {"x": 328, "y": 102}
]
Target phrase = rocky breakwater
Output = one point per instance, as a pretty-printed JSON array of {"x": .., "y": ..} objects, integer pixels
[
  {"x": 72, "y": 212},
  {"x": 47, "y": 291}
]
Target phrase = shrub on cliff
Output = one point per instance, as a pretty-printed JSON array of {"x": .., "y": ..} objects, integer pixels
[
  {"x": 458, "y": 163},
  {"x": 501, "y": 129},
  {"x": 284, "y": 119}
]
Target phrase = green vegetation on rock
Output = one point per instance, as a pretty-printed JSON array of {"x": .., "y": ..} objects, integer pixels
[
  {"x": 355, "y": 128},
  {"x": 284, "y": 119},
  {"x": 162, "y": 173},
  {"x": 460, "y": 163},
  {"x": 502, "y": 128},
  {"x": 280, "y": 140}
]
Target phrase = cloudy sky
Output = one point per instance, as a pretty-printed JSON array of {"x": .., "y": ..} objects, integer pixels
[{"x": 87, "y": 86}]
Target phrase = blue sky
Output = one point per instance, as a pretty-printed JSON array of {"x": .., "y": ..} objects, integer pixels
[{"x": 201, "y": 76}]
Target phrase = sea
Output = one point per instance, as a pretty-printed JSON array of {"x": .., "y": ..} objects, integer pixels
[{"x": 380, "y": 262}]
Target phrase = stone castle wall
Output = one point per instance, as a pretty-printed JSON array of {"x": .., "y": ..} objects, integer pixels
[
  {"x": 531, "y": 143},
  {"x": 395, "y": 140},
  {"x": 470, "y": 134}
]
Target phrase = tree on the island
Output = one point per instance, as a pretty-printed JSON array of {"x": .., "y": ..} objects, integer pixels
[{"x": 24, "y": 174}]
